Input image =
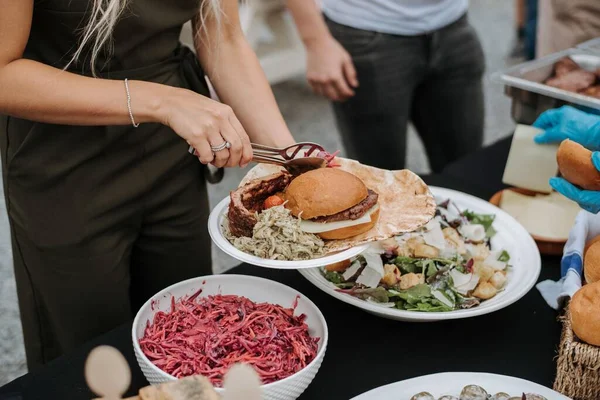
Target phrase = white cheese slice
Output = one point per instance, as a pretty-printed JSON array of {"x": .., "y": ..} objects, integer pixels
[
  {"x": 530, "y": 165},
  {"x": 549, "y": 217},
  {"x": 318, "y": 227},
  {"x": 373, "y": 272},
  {"x": 352, "y": 270},
  {"x": 473, "y": 232},
  {"x": 433, "y": 235}
]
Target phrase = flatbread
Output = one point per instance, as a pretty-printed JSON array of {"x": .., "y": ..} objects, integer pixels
[{"x": 405, "y": 201}]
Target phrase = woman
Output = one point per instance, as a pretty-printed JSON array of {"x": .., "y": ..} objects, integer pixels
[
  {"x": 415, "y": 60},
  {"x": 105, "y": 213}
]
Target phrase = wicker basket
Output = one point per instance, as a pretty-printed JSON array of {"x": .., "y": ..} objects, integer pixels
[{"x": 578, "y": 366}]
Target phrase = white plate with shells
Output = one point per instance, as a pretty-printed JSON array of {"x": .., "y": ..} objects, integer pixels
[{"x": 462, "y": 386}]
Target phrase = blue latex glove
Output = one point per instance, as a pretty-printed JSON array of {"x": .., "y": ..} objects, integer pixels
[
  {"x": 569, "y": 123},
  {"x": 589, "y": 200}
]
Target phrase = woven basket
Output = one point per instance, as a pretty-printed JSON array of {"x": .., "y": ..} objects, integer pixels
[{"x": 578, "y": 365}]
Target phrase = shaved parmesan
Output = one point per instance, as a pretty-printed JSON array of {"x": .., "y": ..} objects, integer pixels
[
  {"x": 493, "y": 262},
  {"x": 473, "y": 232},
  {"x": 373, "y": 272},
  {"x": 433, "y": 235},
  {"x": 319, "y": 227},
  {"x": 464, "y": 282},
  {"x": 442, "y": 298},
  {"x": 351, "y": 271}
]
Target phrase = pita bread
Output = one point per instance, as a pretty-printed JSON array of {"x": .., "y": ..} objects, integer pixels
[{"x": 405, "y": 201}]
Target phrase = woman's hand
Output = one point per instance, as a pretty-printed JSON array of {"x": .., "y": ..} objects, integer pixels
[
  {"x": 329, "y": 69},
  {"x": 205, "y": 123}
]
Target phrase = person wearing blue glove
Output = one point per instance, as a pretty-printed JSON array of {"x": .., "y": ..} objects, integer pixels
[{"x": 570, "y": 123}]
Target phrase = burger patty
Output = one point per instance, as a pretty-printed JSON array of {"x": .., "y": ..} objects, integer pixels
[
  {"x": 352, "y": 213},
  {"x": 248, "y": 200}
]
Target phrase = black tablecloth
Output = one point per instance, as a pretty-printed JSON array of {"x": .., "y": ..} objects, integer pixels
[{"x": 365, "y": 351}]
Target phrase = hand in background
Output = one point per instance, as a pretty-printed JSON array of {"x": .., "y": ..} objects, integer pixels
[
  {"x": 569, "y": 123},
  {"x": 329, "y": 69},
  {"x": 589, "y": 200}
]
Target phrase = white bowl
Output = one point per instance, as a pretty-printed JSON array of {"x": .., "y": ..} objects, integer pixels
[
  {"x": 217, "y": 220},
  {"x": 512, "y": 237},
  {"x": 258, "y": 290}
]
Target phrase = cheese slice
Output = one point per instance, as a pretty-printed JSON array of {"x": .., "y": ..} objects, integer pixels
[
  {"x": 547, "y": 216},
  {"x": 318, "y": 227},
  {"x": 530, "y": 165}
]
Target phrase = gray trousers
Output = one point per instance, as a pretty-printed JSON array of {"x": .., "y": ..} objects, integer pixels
[{"x": 432, "y": 80}]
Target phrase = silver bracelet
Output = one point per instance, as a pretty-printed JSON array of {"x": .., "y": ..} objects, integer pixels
[{"x": 129, "y": 104}]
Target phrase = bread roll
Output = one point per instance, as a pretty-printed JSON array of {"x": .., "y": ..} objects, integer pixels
[
  {"x": 590, "y": 243},
  {"x": 575, "y": 165},
  {"x": 585, "y": 313},
  {"x": 591, "y": 262}
]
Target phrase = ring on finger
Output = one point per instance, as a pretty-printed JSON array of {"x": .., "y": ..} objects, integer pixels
[{"x": 222, "y": 146}]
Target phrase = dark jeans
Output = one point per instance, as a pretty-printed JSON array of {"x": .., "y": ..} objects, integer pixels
[{"x": 433, "y": 80}]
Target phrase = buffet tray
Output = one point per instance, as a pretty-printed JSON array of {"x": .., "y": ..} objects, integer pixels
[
  {"x": 592, "y": 46},
  {"x": 524, "y": 84}
]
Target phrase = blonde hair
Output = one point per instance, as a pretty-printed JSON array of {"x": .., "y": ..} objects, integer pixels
[{"x": 105, "y": 14}]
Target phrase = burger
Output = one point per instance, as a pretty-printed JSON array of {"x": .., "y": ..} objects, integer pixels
[
  {"x": 575, "y": 165},
  {"x": 332, "y": 203}
]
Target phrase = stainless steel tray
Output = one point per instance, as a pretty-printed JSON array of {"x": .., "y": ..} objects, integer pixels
[
  {"x": 529, "y": 77},
  {"x": 592, "y": 46}
]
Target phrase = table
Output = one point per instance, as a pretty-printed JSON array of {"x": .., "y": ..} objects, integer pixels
[{"x": 364, "y": 351}]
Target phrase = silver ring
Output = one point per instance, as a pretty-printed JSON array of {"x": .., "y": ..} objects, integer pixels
[{"x": 222, "y": 146}]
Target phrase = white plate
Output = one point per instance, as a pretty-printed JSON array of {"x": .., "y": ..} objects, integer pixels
[
  {"x": 451, "y": 383},
  {"x": 216, "y": 221},
  {"x": 511, "y": 236}
]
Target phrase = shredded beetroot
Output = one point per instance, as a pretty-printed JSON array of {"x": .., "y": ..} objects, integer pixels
[{"x": 207, "y": 335}]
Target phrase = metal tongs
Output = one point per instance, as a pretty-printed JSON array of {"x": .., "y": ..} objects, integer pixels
[
  {"x": 296, "y": 159},
  {"x": 288, "y": 157}
]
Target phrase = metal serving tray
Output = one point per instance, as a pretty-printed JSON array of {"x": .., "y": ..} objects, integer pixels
[
  {"x": 592, "y": 46},
  {"x": 531, "y": 97}
]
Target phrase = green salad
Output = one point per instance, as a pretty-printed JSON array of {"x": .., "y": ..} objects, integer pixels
[{"x": 447, "y": 265}]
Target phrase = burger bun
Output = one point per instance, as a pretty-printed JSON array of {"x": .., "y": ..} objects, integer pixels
[
  {"x": 351, "y": 231},
  {"x": 575, "y": 165},
  {"x": 323, "y": 192},
  {"x": 585, "y": 318},
  {"x": 591, "y": 262}
]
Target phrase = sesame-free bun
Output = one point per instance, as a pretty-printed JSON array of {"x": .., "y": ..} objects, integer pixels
[
  {"x": 345, "y": 233},
  {"x": 591, "y": 262},
  {"x": 590, "y": 242},
  {"x": 585, "y": 315},
  {"x": 575, "y": 165},
  {"x": 323, "y": 192}
]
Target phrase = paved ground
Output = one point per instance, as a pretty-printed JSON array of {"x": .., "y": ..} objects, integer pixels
[{"x": 309, "y": 118}]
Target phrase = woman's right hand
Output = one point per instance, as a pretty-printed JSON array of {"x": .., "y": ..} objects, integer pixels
[{"x": 203, "y": 123}]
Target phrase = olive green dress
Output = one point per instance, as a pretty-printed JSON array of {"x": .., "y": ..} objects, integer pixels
[{"x": 103, "y": 217}]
